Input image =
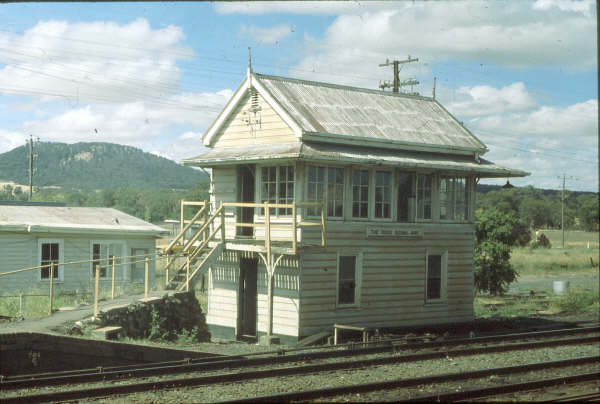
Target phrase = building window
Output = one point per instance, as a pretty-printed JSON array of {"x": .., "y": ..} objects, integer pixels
[
  {"x": 326, "y": 184},
  {"x": 277, "y": 186},
  {"x": 424, "y": 196},
  {"x": 453, "y": 198},
  {"x": 360, "y": 193},
  {"x": 103, "y": 255},
  {"x": 383, "y": 194},
  {"x": 435, "y": 289},
  {"x": 406, "y": 197},
  {"x": 348, "y": 280},
  {"x": 49, "y": 255}
]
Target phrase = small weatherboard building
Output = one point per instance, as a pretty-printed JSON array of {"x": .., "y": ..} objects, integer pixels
[
  {"x": 42, "y": 235},
  {"x": 333, "y": 205}
]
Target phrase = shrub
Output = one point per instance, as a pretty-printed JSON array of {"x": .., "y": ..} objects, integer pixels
[
  {"x": 541, "y": 241},
  {"x": 576, "y": 301}
]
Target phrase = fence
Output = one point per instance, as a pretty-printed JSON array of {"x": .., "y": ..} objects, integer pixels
[{"x": 114, "y": 262}]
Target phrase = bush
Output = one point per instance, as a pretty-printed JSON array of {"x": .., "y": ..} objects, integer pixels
[{"x": 576, "y": 301}]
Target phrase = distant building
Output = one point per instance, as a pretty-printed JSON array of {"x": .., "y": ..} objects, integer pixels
[{"x": 38, "y": 235}]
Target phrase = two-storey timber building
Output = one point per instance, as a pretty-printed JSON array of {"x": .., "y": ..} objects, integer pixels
[{"x": 334, "y": 204}]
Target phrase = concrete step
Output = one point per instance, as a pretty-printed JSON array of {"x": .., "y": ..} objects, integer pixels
[{"x": 110, "y": 332}]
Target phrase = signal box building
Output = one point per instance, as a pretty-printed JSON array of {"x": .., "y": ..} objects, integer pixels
[{"x": 339, "y": 205}]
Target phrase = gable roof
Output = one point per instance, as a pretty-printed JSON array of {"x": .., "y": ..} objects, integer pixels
[
  {"x": 60, "y": 219},
  {"x": 349, "y": 115}
]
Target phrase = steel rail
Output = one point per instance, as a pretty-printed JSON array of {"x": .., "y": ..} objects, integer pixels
[
  {"x": 398, "y": 383},
  {"x": 492, "y": 391},
  {"x": 278, "y": 372},
  {"x": 215, "y": 363}
]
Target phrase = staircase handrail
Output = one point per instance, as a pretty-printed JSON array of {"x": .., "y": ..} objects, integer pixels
[
  {"x": 185, "y": 229},
  {"x": 203, "y": 229}
]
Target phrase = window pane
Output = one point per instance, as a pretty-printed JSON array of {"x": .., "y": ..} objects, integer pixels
[
  {"x": 424, "y": 196},
  {"x": 49, "y": 255},
  {"x": 406, "y": 197},
  {"x": 360, "y": 193},
  {"x": 286, "y": 188},
  {"x": 316, "y": 187},
  {"x": 434, "y": 276},
  {"x": 383, "y": 182},
  {"x": 347, "y": 280},
  {"x": 335, "y": 192}
]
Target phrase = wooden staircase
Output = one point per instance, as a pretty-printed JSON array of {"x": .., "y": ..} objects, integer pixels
[{"x": 200, "y": 251}]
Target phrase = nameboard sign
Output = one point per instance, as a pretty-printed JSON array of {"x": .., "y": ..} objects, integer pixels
[{"x": 395, "y": 232}]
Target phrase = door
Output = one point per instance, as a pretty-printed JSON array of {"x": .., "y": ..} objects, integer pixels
[
  {"x": 247, "y": 297},
  {"x": 138, "y": 267},
  {"x": 245, "y": 193}
]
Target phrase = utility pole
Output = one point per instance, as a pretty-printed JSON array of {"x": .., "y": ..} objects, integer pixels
[
  {"x": 562, "y": 210},
  {"x": 433, "y": 92},
  {"x": 30, "y": 166},
  {"x": 396, "y": 83}
]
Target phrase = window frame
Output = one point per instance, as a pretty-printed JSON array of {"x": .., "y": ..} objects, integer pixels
[
  {"x": 358, "y": 269},
  {"x": 370, "y": 197},
  {"x": 434, "y": 198},
  {"x": 443, "y": 277},
  {"x": 60, "y": 267},
  {"x": 412, "y": 213},
  {"x": 108, "y": 275},
  {"x": 259, "y": 186},
  {"x": 326, "y": 184},
  {"x": 467, "y": 198}
]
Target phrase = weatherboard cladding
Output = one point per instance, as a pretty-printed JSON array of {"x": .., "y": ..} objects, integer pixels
[
  {"x": 322, "y": 108},
  {"x": 310, "y": 151},
  {"x": 74, "y": 219}
]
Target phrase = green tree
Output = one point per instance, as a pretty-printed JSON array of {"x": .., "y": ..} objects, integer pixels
[
  {"x": 495, "y": 233},
  {"x": 588, "y": 212}
]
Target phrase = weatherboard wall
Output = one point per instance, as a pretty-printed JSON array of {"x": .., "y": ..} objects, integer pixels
[
  {"x": 392, "y": 278},
  {"x": 21, "y": 250},
  {"x": 253, "y": 122}
]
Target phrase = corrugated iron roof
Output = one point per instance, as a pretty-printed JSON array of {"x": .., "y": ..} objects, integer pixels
[
  {"x": 331, "y": 153},
  {"x": 356, "y": 113},
  {"x": 74, "y": 219}
]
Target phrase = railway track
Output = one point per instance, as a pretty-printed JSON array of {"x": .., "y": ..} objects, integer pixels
[
  {"x": 268, "y": 358},
  {"x": 31, "y": 390}
]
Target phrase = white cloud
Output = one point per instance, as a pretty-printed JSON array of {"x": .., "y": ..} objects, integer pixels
[
  {"x": 93, "y": 61},
  {"x": 267, "y": 36},
  {"x": 11, "y": 139},
  {"x": 579, "y": 6},
  {"x": 505, "y": 34},
  {"x": 486, "y": 100},
  {"x": 298, "y": 7}
]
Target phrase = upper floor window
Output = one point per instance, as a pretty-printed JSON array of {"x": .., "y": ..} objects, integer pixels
[
  {"x": 277, "y": 186},
  {"x": 383, "y": 194},
  {"x": 326, "y": 184},
  {"x": 453, "y": 198},
  {"x": 360, "y": 193},
  {"x": 406, "y": 197},
  {"x": 424, "y": 182}
]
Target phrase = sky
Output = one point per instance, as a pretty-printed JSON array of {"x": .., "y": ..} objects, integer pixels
[{"x": 521, "y": 75}]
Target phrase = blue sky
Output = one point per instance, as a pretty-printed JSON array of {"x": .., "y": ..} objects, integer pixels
[{"x": 522, "y": 75}]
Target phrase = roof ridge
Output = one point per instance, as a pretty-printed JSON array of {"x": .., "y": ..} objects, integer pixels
[{"x": 341, "y": 86}]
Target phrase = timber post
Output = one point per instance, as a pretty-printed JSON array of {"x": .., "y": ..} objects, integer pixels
[
  {"x": 222, "y": 223},
  {"x": 51, "y": 286},
  {"x": 294, "y": 235},
  {"x": 167, "y": 269},
  {"x": 96, "y": 284},
  {"x": 187, "y": 273},
  {"x": 269, "y": 262},
  {"x": 146, "y": 277},
  {"x": 112, "y": 287},
  {"x": 322, "y": 225},
  {"x": 181, "y": 223}
]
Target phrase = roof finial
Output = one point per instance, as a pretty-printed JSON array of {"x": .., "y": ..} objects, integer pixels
[{"x": 249, "y": 62}]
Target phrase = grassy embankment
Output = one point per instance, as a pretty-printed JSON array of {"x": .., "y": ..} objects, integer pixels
[{"x": 576, "y": 263}]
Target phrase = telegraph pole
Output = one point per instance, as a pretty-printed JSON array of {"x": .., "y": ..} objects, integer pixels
[
  {"x": 396, "y": 83},
  {"x": 562, "y": 210},
  {"x": 30, "y": 166}
]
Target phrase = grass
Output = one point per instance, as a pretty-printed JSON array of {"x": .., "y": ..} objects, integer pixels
[
  {"x": 576, "y": 301},
  {"x": 575, "y": 257},
  {"x": 37, "y": 306}
]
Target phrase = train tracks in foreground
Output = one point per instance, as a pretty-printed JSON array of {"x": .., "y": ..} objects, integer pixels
[{"x": 209, "y": 374}]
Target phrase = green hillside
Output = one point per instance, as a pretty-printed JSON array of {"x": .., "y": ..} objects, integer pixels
[{"x": 96, "y": 166}]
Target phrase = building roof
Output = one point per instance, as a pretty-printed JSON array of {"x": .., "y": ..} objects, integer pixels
[
  {"x": 332, "y": 153},
  {"x": 350, "y": 115},
  {"x": 56, "y": 219}
]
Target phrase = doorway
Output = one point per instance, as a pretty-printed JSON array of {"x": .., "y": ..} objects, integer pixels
[
  {"x": 247, "y": 298},
  {"x": 245, "y": 187}
]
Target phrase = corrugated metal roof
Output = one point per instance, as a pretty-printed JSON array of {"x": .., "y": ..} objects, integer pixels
[
  {"x": 327, "y": 109},
  {"x": 332, "y": 153},
  {"x": 76, "y": 219}
]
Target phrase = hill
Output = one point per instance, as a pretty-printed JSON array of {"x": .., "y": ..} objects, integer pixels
[{"x": 96, "y": 166}]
